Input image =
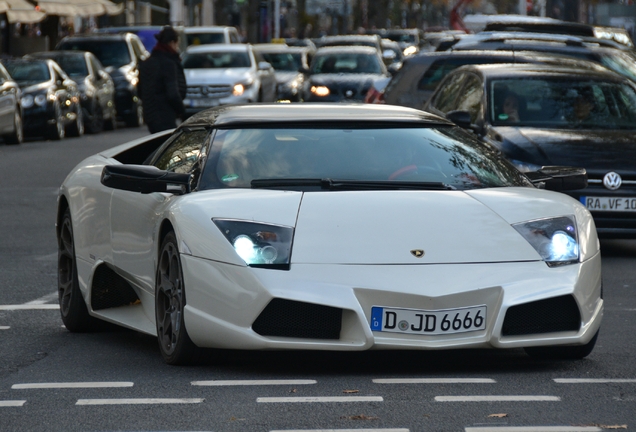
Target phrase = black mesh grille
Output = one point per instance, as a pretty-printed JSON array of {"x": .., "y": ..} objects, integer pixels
[
  {"x": 110, "y": 290},
  {"x": 289, "y": 318},
  {"x": 543, "y": 316}
]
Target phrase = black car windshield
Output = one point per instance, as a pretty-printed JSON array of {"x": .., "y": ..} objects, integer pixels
[
  {"x": 73, "y": 65},
  {"x": 283, "y": 62},
  {"x": 110, "y": 53},
  {"x": 205, "y": 38},
  {"x": 562, "y": 103},
  {"x": 28, "y": 73},
  {"x": 216, "y": 60},
  {"x": 346, "y": 63},
  {"x": 444, "y": 156}
]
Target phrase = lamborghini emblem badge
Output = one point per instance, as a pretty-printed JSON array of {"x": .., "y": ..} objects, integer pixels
[{"x": 417, "y": 253}]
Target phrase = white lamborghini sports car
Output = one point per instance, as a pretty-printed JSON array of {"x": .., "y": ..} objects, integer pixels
[{"x": 327, "y": 227}]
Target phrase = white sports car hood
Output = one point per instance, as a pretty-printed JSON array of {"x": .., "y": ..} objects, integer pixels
[
  {"x": 450, "y": 227},
  {"x": 217, "y": 76}
]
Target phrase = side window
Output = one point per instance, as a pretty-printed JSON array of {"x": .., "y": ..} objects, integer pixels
[
  {"x": 471, "y": 98},
  {"x": 446, "y": 95},
  {"x": 181, "y": 154},
  {"x": 234, "y": 37},
  {"x": 433, "y": 75}
]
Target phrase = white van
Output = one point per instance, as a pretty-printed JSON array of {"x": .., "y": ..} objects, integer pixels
[{"x": 211, "y": 35}]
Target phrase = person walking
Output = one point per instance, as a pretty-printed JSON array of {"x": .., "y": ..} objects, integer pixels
[{"x": 162, "y": 82}]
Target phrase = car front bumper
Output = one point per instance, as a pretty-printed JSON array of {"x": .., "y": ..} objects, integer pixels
[{"x": 222, "y": 313}]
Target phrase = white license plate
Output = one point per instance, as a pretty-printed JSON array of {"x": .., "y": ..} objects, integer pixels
[
  {"x": 616, "y": 204},
  {"x": 204, "y": 102},
  {"x": 428, "y": 322}
]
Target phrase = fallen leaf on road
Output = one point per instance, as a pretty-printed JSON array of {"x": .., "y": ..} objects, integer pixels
[
  {"x": 360, "y": 417},
  {"x": 498, "y": 415},
  {"x": 351, "y": 391},
  {"x": 292, "y": 391}
]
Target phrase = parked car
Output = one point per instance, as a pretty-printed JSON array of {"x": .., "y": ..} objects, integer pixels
[
  {"x": 120, "y": 54},
  {"x": 541, "y": 115},
  {"x": 146, "y": 34},
  {"x": 292, "y": 226},
  {"x": 11, "y": 125},
  {"x": 222, "y": 74},
  {"x": 96, "y": 87},
  {"x": 420, "y": 74},
  {"x": 50, "y": 99},
  {"x": 343, "y": 73},
  {"x": 288, "y": 70},
  {"x": 203, "y": 35}
]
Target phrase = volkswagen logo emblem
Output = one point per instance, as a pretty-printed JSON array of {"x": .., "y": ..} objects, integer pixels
[
  {"x": 417, "y": 253},
  {"x": 349, "y": 93},
  {"x": 612, "y": 181}
]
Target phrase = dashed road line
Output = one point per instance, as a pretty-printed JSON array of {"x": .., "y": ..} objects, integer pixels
[
  {"x": 12, "y": 403},
  {"x": 534, "y": 429},
  {"x": 29, "y": 307},
  {"x": 502, "y": 398},
  {"x": 311, "y": 399},
  {"x": 251, "y": 382},
  {"x": 4, "y": 327},
  {"x": 62, "y": 385},
  {"x": 433, "y": 380},
  {"x": 593, "y": 380},
  {"x": 341, "y": 430},
  {"x": 138, "y": 401}
]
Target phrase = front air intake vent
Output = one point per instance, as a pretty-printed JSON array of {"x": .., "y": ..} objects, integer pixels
[
  {"x": 288, "y": 318},
  {"x": 544, "y": 316},
  {"x": 110, "y": 290}
]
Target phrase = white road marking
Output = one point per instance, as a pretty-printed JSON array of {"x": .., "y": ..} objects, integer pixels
[
  {"x": 46, "y": 299},
  {"x": 28, "y": 307},
  {"x": 534, "y": 429},
  {"x": 12, "y": 403},
  {"x": 311, "y": 399},
  {"x": 140, "y": 401},
  {"x": 61, "y": 385},
  {"x": 593, "y": 380},
  {"x": 433, "y": 380},
  {"x": 251, "y": 382},
  {"x": 340, "y": 430},
  {"x": 502, "y": 398},
  {"x": 4, "y": 327}
]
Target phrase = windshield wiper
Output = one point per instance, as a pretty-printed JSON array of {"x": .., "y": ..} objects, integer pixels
[{"x": 331, "y": 184}]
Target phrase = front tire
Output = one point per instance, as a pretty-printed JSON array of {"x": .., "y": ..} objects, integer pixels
[
  {"x": 96, "y": 120},
  {"x": 174, "y": 342},
  {"x": 575, "y": 352},
  {"x": 136, "y": 117},
  {"x": 72, "y": 306}
]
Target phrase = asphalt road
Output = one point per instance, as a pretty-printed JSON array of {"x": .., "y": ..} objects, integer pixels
[{"x": 52, "y": 380}]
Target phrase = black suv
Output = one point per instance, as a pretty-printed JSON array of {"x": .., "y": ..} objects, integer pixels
[{"x": 120, "y": 54}]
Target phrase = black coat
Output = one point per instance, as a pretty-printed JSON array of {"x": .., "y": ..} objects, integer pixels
[{"x": 162, "y": 89}]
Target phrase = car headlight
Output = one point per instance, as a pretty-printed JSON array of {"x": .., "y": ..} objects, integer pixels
[
  {"x": 240, "y": 88},
  {"x": 321, "y": 91},
  {"x": 259, "y": 245},
  {"x": 555, "y": 239},
  {"x": 409, "y": 50},
  {"x": 40, "y": 100},
  {"x": 27, "y": 101}
]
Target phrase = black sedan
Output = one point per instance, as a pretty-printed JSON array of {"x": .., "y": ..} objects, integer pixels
[
  {"x": 340, "y": 74},
  {"x": 94, "y": 83},
  {"x": 50, "y": 99},
  {"x": 540, "y": 115},
  {"x": 288, "y": 72}
]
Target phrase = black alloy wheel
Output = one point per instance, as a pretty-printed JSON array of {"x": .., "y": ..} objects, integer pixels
[
  {"x": 72, "y": 306},
  {"x": 174, "y": 343},
  {"x": 17, "y": 136}
]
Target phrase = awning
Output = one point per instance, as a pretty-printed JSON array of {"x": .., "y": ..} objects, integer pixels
[
  {"x": 20, "y": 11},
  {"x": 82, "y": 8}
]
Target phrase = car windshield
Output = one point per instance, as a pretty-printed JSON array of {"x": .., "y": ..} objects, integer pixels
[
  {"x": 624, "y": 63},
  {"x": 110, "y": 53},
  {"x": 216, "y": 60},
  {"x": 73, "y": 65},
  {"x": 205, "y": 38},
  {"x": 559, "y": 103},
  {"x": 281, "y": 61},
  {"x": 446, "y": 156},
  {"x": 401, "y": 37},
  {"x": 346, "y": 63},
  {"x": 28, "y": 73}
]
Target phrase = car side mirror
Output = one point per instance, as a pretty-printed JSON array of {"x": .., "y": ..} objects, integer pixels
[
  {"x": 144, "y": 179},
  {"x": 264, "y": 66},
  {"x": 460, "y": 118},
  {"x": 559, "y": 178}
]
